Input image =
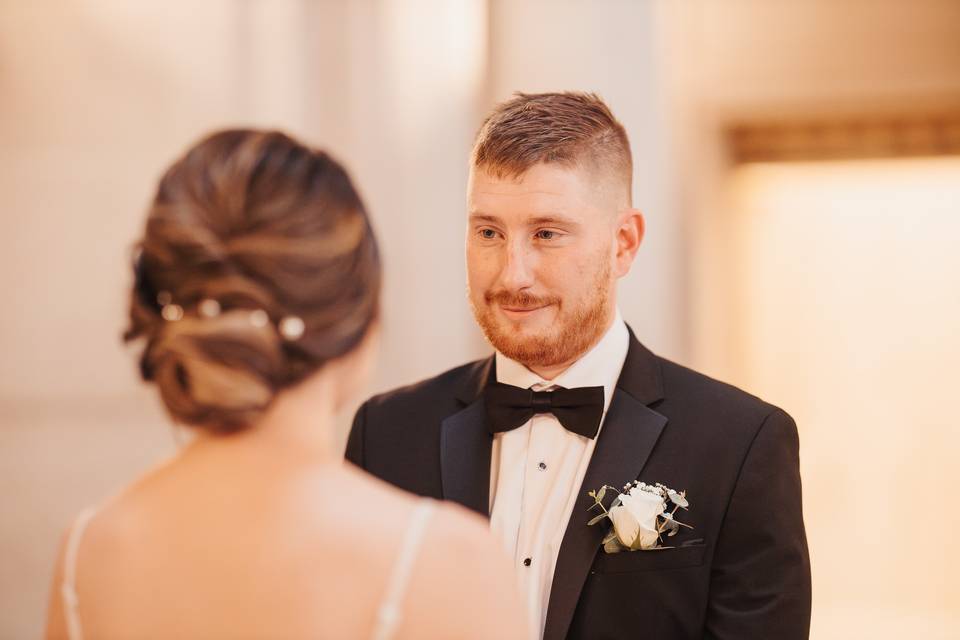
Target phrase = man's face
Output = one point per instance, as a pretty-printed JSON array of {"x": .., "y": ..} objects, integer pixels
[{"x": 541, "y": 262}]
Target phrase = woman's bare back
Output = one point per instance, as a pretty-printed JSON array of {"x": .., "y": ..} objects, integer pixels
[{"x": 228, "y": 543}]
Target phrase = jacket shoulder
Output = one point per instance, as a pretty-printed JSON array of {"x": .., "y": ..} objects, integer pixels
[
  {"x": 439, "y": 389},
  {"x": 692, "y": 391}
]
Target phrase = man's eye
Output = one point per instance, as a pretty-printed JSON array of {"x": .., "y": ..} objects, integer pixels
[
  {"x": 546, "y": 234},
  {"x": 488, "y": 234}
]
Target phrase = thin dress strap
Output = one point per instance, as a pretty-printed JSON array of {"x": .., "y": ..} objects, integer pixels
[
  {"x": 388, "y": 615},
  {"x": 69, "y": 587}
]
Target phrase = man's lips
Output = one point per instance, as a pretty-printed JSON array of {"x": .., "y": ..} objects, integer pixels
[{"x": 520, "y": 311}]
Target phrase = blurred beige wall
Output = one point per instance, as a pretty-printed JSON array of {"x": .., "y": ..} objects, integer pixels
[
  {"x": 735, "y": 61},
  {"x": 847, "y": 314},
  {"x": 98, "y": 96},
  {"x": 827, "y": 287}
]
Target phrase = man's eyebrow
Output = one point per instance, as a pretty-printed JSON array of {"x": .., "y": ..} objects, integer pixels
[
  {"x": 533, "y": 222},
  {"x": 553, "y": 219},
  {"x": 482, "y": 217}
]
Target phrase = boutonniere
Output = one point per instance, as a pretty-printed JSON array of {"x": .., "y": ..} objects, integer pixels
[{"x": 639, "y": 516}]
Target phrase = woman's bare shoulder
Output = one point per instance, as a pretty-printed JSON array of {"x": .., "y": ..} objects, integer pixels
[
  {"x": 462, "y": 584},
  {"x": 465, "y": 586}
]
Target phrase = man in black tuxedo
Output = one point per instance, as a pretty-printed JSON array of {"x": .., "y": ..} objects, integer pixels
[{"x": 571, "y": 401}]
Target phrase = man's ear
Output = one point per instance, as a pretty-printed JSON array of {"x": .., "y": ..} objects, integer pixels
[{"x": 630, "y": 228}]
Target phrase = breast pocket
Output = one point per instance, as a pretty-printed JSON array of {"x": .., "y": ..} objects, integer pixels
[{"x": 662, "y": 560}]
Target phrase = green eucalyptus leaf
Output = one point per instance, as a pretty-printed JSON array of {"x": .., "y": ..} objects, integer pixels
[
  {"x": 603, "y": 492},
  {"x": 678, "y": 499},
  {"x": 594, "y": 520}
]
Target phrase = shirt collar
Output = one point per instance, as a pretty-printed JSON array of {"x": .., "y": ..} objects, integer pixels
[{"x": 599, "y": 367}]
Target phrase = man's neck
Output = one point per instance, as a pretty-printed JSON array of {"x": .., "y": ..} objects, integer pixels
[{"x": 554, "y": 371}]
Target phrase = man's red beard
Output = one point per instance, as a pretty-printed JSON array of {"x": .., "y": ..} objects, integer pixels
[{"x": 573, "y": 334}]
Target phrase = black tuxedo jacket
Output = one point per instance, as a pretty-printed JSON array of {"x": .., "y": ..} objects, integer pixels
[{"x": 741, "y": 573}]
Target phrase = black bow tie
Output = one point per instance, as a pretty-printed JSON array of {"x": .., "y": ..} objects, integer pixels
[{"x": 578, "y": 410}]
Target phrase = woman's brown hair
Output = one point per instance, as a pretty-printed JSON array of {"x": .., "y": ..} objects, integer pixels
[{"x": 249, "y": 223}]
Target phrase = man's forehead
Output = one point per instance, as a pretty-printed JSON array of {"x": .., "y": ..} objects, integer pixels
[
  {"x": 542, "y": 189},
  {"x": 545, "y": 202},
  {"x": 531, "y": 210},
  {"x": 548, "y": 177}
]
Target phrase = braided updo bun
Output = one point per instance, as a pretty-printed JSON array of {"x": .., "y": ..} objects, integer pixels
[{"x": 250, "y": 233}]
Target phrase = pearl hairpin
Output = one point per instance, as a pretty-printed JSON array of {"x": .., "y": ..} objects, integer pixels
[
  {"x": 172, "y": 312},
  {"x": 289, "y": 327},
  {"x": 259, "y": 318},
  {"x": 208, "y": 308}
]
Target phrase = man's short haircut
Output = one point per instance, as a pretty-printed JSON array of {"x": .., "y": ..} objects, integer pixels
[{"x": 569, "y": 128}]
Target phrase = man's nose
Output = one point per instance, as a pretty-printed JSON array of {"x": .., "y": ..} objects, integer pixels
[{"x": 518, "y": 268}]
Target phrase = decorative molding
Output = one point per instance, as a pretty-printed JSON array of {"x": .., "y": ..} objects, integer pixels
[{"x": 919, "y": 134}]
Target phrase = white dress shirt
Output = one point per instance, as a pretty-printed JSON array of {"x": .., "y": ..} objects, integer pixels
[{"x": 536, "y": 470}]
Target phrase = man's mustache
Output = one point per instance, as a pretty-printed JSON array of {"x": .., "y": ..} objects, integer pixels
[{"x": 519, "y": 299}]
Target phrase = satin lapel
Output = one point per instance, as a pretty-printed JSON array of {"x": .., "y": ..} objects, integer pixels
[
  {"x": 627, "y": 438},
  {"x": 465, "y": 446}
]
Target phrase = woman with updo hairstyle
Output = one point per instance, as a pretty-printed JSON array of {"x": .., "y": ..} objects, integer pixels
[{"x": 256, "y": 304}]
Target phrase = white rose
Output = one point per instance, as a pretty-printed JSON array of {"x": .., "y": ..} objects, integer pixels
[{"x": 635, "y": 518}]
